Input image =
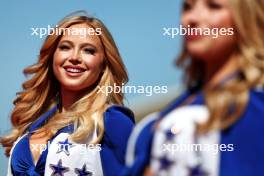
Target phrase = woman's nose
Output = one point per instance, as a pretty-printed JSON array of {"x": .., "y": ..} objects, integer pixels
[{"x": 75, "y": 57}]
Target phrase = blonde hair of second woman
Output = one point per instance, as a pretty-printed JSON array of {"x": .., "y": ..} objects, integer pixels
[{"x": 249, "y": 25}]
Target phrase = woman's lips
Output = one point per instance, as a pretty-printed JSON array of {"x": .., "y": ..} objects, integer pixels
[
  {"x": 74, "y": 70},
  {"x": 193, "y": 37}
]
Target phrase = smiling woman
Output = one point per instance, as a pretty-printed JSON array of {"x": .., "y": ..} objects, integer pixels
[
  {"x": 78, "y": 62},
  {"x": 60, "y": 107}
]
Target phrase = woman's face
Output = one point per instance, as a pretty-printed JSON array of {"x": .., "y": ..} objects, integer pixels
[
  {"x": 208, "y": 14},
  {"x": 78, "y": 59}
]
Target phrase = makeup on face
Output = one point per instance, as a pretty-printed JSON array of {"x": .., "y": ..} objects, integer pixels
[
  {"x": 78, "y": 60},
  {"x": 208, "y": 15}
]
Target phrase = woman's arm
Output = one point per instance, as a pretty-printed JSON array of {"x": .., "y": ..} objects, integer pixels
[{"x": 118, "y": 123}]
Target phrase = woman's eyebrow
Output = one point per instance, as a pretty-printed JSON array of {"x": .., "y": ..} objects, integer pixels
[
  {"x": 190, "y": 1},
  {"x": 66, "y": 41},
  {"x": 81, "y": 45},
  {"x": 88, "y": 44}
]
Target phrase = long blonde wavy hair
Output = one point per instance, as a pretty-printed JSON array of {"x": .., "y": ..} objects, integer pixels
[
  {"x": 41, "y": 91},
  {"x": 227, "y": 102}
]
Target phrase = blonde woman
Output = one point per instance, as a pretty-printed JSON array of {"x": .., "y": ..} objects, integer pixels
[
  {"x": 216, "y": 126},
  {"x": 63, "y": 122}
]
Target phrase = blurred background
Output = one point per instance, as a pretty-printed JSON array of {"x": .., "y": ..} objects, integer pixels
[{"x": 137, "y": 27}]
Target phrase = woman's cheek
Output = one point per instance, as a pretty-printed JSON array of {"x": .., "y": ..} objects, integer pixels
[
  {"x": 63, "y": 55},
  {"x": 92, "y": 62},
  {"x": 222, "y": 20},
  {"x": 58, "y": 61}
]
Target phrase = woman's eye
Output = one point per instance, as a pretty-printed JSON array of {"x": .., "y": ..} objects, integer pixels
[
  {"x": 89, "y": 51},
  {"x": 186, "y": 6},
  {"x": 64, "y": 47},
  {"x": 214, "y": 5}
]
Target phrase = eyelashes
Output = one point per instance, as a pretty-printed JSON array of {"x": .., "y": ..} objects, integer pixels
[
  {"x": 214, "y": 5},
  {"x": 209, "y": 4},
  {"x": 186, "y": 6},
  {"x": 89, "y": 51},
  {"x": 85, "y": 50},
  {"x": 64, "y": 47}
]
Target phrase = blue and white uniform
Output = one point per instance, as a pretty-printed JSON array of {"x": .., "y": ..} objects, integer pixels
[
  {"x": 66, "y": 158},
  {"x": 165, "y": 141}
]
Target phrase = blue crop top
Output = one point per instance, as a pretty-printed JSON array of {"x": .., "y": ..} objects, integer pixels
[{"x": 22, "y": 162}]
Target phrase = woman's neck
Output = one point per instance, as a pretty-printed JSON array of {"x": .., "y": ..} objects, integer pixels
[
  {"x": 69, "y": 97},
  {"x": 216, "y": 72}
]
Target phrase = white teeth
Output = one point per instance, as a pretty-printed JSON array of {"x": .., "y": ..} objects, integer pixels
[{"x": 73, "y": 70}]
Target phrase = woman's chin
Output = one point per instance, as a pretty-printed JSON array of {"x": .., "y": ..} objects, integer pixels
[
  {"x": 198, "y": 51},
  {"x": 72, "y": 86}
]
